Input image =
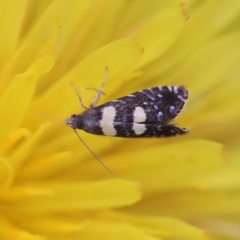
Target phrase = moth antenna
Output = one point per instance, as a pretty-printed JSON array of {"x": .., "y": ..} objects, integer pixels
[
  {"x": 47, "y": 116},
  {"x": 94, "y": 155}
]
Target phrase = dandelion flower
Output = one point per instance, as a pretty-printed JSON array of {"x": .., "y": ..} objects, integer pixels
[{"x": 183, "y": 188}]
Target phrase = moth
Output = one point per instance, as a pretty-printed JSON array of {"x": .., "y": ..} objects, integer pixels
[{"x": 142, "y": 114}]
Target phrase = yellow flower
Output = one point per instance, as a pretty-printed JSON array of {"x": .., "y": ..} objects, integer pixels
[{"x": 186, "y": 187}]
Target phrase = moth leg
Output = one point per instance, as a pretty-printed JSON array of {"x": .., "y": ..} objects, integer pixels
[
  {"x": 93, "y": 89},
  {"x": 79, "y": 97},
  {"x": 100, "y": 91}
]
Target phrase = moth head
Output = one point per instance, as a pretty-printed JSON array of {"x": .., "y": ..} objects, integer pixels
[{"x": 75, "y": 121}]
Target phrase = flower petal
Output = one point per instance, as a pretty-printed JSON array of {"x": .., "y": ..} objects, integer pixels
[
  {"x": 12, "y": 139},
  {"x": 54, "y": 225},
  {"x": 9, "y": 231},
  {"x": 12, "y": 13},
  {"x": 171, "y": 165},
  {"x": 159, "y": 33},
  {"x": 112, "y": 230},
  {"x": 165, "y": 227},
  {"x": 218, "y": 97},
  {"x": 119, "y": 56},
  {"x": 21, "y": 154},
  {"x": 45, "y": 167},
  {"x": 82, "y": 196},
  {"x": 19, "y": 93},
  {"x": 206, "y": 22}
]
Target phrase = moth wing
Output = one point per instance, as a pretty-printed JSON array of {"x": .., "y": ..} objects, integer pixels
[
  {"x": 153, "y": 105},
  {"x": 138, "y": 130}
]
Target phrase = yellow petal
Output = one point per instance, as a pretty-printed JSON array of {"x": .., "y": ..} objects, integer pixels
[
  {"x": 45, "y": 167},
  {"x": 6, "y": 173},
  {"x": 12, "y": 138},
  {"x": 111, "y": 230},
  {"x": 217, "y": 97},
  {"x": 19, "y": 93},
  {"x": 224, "y": 179},
  {"x": 171, "y": 165},
  {"x": 206, "y": 22},
  {"x": 53, "y": 225},
  {"x": 119, "y": 56},
  {"x": 11, "y": 19},
  {"x": 57, "y": 14},
  {"x": 165, "y": 227},
  {"x": 20, "y": 155},
  {"x": 90, "y": 195},
  {"x": 9, "y": 232},
  {"x": 222, "y": 61},
  {"x": 159, "y": 33}
]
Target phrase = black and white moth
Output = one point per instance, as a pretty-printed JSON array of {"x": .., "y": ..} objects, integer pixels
[{"x": 142, "y": 114}]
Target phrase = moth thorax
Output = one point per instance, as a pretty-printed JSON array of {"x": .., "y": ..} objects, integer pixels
[{"x": 75, "y": 121}]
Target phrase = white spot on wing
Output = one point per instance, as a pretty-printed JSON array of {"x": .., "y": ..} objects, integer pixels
[
  {"x": 160, "y": 115},
  {"x": 170, "y": 88},
  {"x": 175, "y": 90},
  {"x": 152, "y": 98},
  {"x": 171, "y": 109},
  {"x": 181, "y": 98},
  {"x": 151, "y": 90},
  {"x": 139, "y": 115},
  {"x": 139, "y": 128},
  {"x": 148, "y": 95},
  {"x": 107, "y": 121}
]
